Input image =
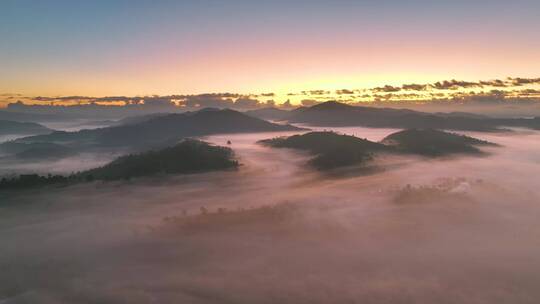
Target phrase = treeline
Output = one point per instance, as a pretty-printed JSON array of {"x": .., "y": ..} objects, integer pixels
[
  {"x": 332, "y": 150},
  {"x": 32, "y": 180},
  {"x": 189, "y": 156}
]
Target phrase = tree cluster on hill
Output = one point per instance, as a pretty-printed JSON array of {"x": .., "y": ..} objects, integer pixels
[
  {"x": 334, "y": 150},
  {"x": 274, "y": 216},
  {"x": 32, "y": 180},
  {"x": 189, "y": 156},
  {"x": 429, "y": 142},
  {"x": 331, "y": 149}
]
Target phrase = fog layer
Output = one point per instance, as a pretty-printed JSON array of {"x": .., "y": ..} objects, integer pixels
[{"x": 452, "y": 230}]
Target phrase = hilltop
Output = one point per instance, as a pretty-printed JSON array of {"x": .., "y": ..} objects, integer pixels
[
  {"x": 37, "y": 150},
  {"x": 270, "y": 114},
  {"x": 337, "y": 114},
  {"x": 332, "y": 150},
  {"x": 189, "y": 156},
  {"x": 163, "y": 130},
  {"x": 9, "y": 127},
  {"x": 429, "y": 142}
]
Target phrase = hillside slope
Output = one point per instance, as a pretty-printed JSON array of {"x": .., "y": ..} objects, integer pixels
[{"x": 164, "y": 130}]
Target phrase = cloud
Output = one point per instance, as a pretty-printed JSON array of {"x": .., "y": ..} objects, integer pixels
[
  {"x": 309, "y": 102},
  {"x": 528, "y": 93},
  {"x": 446, "y": 89},
  {"x": 493, "y": 96},
  {"x": 206, "y": 101},
  {"x": 287, "y": 105},
  {"x": 270, "y": 103},
  {"x": 387, "y": 88},
  {"x": 316, "y": 92},
  {"x": 494, "y": 83},
  {"x": 231, "y": 101},
  {"x": 344, "y": 92},
  {"x": 415, "y": 87},
  {"x": 455, "y": 84},
  {"x": 522, "y": 81},
  {"x": 246, "y": 103}
]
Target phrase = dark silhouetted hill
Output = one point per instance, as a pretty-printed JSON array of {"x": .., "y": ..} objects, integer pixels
[
  {"x": 337, "y": 114},
  {"x": 132, "y": 120},
  {"x": 429, "y": 142},
  {"x": 332, "y": 150},
  {"x": 270, "y": 114},
  {"x": 28, "y": 117},
  {"x": 165, "y": 130},
  {"x": 37, "y": 151},
  {"x": 189, "y": 156},
  {"x": 8, "y": 127}
]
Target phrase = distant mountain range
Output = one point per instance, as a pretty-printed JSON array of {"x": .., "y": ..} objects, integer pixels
[
  {"x": 36, "y": 150},
  {"x": 162, "y": 130},
  {"x": 9, "y": 127},
  {"x": 27, "y": 117},
  {"x": 270, "y": 113},
  {"x": 335, "y": 114}
]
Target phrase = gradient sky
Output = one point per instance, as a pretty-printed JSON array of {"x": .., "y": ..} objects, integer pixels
[{"x": 170, "y": 47}]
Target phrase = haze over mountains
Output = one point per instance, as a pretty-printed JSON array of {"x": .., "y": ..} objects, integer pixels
[
  {"x": 326, "y": 203},
  {"x": 187, "y": 157},
  {"x": 269, "y": 152},
  {"x": 162, "y": 129},
  {"x": 337, "y": 114},
  {"x": 95, "y": 195},
  {"x": 275, "y": 221},
  {"x": 9, "y": 127}
]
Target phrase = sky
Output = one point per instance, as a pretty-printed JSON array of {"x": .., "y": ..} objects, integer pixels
[{"x": 104, "y": 48}]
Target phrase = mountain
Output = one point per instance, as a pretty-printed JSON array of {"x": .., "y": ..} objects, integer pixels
[
  {"x": 334, "y": 150},
  {"x": 164, "y": 129},
  {"x": 270, "y": 114},
  {"x": 429, "y": 142},
  {"x": 132, "y": 120},
  {"x": 337, "y": 114},
  {"x": 461, "y": 114},
  {"x": 9, "y": 127},
  {"x": 189, "y": 156},
  {"x": 36, "y": 151},
  {"x": 28, "y": 117},
  {"x": 331, "y": 150}
]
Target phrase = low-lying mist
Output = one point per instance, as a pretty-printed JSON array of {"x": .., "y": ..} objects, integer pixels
[{"x": 451, "y": 230}]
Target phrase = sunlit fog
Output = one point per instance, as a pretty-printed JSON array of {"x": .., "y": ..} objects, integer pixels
[{"x": 412, "y": 232}]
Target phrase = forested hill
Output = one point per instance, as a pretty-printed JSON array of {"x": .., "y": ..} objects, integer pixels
[
  {"x": 189, "y": 156},
  {"x": 164, "y": 130},
  {"x": 335, "y": 114}
]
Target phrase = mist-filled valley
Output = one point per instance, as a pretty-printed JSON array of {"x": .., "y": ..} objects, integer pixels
[
  {"x": 452, "y": 229},
  {"x": 269, "y": 152}
]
